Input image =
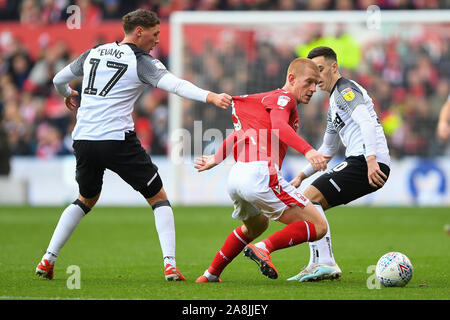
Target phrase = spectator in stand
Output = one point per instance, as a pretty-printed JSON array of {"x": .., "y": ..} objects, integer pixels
[
  {"x": 406, "y": 75},
  {"x": 30, "y": 12}
]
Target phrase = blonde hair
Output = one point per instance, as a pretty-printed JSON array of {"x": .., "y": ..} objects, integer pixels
[{"x": 299, "y": 65}]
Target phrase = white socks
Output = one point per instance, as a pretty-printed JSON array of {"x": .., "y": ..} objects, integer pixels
[
  {"x": 72, "y": 215},
  {"x": 165, "y": 226},
  {"x": 321, "y": 251},
  {"x": 68, "y": 221}
]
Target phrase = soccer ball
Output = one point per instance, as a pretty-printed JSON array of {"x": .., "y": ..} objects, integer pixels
[{"x": 394, "y": 270}]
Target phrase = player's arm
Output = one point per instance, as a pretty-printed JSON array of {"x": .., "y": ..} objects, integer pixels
[
  {"x": 367, "y": 125},
  {"x": 188, "y": 90},
  {"x": 153, "y": 72},
  {"x": 68, "y": 74},
  {"x": 280, "y": 124},
  {"x": 329, "y": 147},
  {"x": 443, "y": 128},
  {"x": 352, "y": 100},
  {"x": 210, "y": 161}
]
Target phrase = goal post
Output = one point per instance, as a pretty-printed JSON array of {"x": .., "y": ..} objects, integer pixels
[{"x": 194, "y": 34}]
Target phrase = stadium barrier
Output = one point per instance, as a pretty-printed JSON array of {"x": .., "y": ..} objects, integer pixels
[
  {"x": 412, "y": 182},
  {"x": 13, "y": 191}
]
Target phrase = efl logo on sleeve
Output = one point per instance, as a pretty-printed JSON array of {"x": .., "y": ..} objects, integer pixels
[
  {"x": 348, "y": 94},
  {"x": 158, "y": 64},
  {"x": 283, "y": 101}
]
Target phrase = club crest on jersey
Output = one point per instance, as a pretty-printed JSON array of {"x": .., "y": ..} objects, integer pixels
[
  {"x": 158, "y": 64},
  {"x": 283, "y": 101},
  {"x": 348, "y": 94}
]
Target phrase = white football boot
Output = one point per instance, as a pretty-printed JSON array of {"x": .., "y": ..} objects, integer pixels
[{"x": 317, "y": 272}]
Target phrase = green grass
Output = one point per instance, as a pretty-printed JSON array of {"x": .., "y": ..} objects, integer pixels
[{"x": 118, "y": 252}]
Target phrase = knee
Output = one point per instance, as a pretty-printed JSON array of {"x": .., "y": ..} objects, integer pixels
[
  {"x": 159, "y": 197},
  {"x": 255, "y": 230},
  {"x": 88, "y": 202}
]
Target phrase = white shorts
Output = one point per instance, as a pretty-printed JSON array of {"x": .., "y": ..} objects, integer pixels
[{"x": 255, "y": 189}]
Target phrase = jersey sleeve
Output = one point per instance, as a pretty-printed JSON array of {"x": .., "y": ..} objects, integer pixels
[
  {"x": 77, "y": 65},
  {"x": 226, "y": 147},
  {"x": 279, "y": 119},
  {"x": 150, "y": 70},
  {"x": 330, "y": 128},
  {"x": 348, "y": 96}
]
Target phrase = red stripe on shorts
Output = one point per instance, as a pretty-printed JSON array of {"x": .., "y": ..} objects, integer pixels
[{"x": 279, "y": 192}]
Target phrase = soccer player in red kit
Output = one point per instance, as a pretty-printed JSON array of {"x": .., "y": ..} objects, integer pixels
[{"x": 265, "y": 125}]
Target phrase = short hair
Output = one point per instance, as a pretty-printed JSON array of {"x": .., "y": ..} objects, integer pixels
[
  {"x": 139, "y": 18},
  {"x": 298, "y": 66},
  {"x": 326, "y": 52}
]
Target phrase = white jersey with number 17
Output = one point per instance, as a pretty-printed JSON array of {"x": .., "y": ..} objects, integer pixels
[{"x": 114, "y": 76}]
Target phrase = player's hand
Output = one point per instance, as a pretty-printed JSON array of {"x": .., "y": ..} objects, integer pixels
[
  {"x": 297, "y": 181},
  {"x": 221, "y": 100},
  {"x": 204, "y": 163},
  {"x": 377, "y": 178},
  {"x": 317, "y": 160},
  {"x": 443, "y": 131},
  {"x": 72, "y": 100}
]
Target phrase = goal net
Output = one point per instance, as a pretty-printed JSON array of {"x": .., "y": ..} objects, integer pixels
[{"x": 400, "y": 57}]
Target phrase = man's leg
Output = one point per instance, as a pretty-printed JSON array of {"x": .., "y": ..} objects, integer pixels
[
  {"x": 303, "y": 224},
  {"x": 67, "y": 223},
  {"x": 321, "y": 262},
  {"x": 234, "y": 244},
  {"x": 165, "y": 226}
]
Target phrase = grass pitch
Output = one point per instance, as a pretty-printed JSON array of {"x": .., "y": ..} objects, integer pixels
[{"x": 119, "y": 256}]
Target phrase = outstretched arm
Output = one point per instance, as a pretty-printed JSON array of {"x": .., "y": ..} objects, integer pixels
[
  {"x": 207, "y": 162},
  {"x": 329, "y": 148},
  {"x": 188, "y": 90},
  {"x": 279, "y": 119},
  {"x": 152, "y": 71}
]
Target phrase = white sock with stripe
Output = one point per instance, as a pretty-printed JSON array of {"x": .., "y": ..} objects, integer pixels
[
  {"x": 165, "y": 226},
  {"x": 67, "y": 223},
  {"x": 321, "y": 251}
]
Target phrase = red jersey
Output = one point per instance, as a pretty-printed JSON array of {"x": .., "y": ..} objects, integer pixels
[{"x": 265, "y": 126}]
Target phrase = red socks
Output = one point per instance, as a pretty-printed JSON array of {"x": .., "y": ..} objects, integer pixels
[
  {"x": 234, "y": 244},
  {"x": 294, "y": 233}
]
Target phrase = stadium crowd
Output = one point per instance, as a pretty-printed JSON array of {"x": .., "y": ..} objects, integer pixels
[
  {"x": 94, "y": 11},
  {"x": 408, "y": 78}
]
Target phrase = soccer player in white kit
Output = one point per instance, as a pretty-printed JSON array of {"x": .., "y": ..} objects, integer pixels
[
  {"x": 351, "y": 119},
  {"x": 114, "y": 76}
]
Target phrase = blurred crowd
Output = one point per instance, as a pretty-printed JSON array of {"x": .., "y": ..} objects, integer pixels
[
  {"x": 94, "y": 11},
  {"x": 407, "y": 78},
  {"x": 34, "y": 118}
]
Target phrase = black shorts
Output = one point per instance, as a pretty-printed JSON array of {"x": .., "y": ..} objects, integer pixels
[
  {"x": 126, "y": 157},
  {"x": 347, "y": 181}
]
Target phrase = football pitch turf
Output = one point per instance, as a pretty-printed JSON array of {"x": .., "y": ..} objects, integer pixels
[{"x": 118, "y": 255}]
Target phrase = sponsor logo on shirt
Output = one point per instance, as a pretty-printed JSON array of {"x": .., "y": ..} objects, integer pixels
[{"x": 348, "y": 94}]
